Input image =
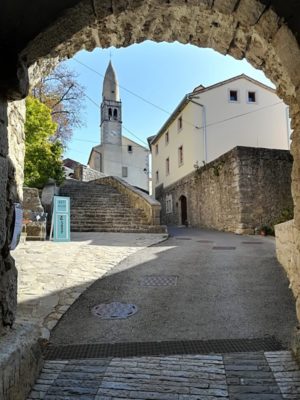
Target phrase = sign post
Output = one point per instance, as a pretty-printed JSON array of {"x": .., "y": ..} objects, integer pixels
[{"x": 60, "y": 227}]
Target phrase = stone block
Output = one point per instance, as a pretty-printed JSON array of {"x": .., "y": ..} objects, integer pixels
[
  {"x": 3, "y": 202},
  {"x": 225, "y": 6},
  {"x": 8, "y": 291},
  {"x": 20, "y": 362},
  {"x": 248, "y": 12},
  {"x": 31, "y": 200},
  {"x": 288, "y": 51},
  {"x": 3, "y": 129}
]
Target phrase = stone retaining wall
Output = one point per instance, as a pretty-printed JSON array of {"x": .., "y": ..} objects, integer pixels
[
  {"x": 20, "y": 361},
  {"x": 86, "y": 174},
  {"x": 288, "y": 254},
  {"x": 238, "y": 192}
]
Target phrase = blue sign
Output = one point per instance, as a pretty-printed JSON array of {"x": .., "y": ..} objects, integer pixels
[{"x": 61, "y": 219}]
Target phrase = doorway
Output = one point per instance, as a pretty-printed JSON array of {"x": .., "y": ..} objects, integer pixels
[{"x": 183, "y": 210}]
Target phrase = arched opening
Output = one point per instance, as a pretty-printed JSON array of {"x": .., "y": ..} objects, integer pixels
[
  {"x": 253, "y": 32},
  {"x": 183, "y": 210},
  {"x": 115, "y": 114},
  {"x": 109, "y": 113}
]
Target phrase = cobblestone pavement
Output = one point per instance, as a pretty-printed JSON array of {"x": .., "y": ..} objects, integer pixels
[
  {"x": 235, "y": 376},
  {"x": 53, "y": 275}
]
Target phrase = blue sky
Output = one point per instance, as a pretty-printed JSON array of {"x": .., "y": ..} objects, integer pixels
[{"x": 160, "y": 73}]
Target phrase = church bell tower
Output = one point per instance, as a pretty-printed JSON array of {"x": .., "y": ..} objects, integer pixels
[{"x": 111, "y": 109}]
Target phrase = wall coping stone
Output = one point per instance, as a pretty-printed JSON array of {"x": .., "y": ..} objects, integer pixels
[{"x": 20, "y": 361}]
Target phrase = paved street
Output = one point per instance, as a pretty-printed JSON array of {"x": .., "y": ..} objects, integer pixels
[
  {"x": 52, "y": 275},
  {"x": 196, "y": 286},
  {"x": 219, "y": 293},
  {"x": 238, "y": 376}
]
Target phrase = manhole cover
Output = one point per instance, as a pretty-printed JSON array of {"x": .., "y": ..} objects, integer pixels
[
  {"x": 159, "y": 280},
  {"x": 223, "y": 248},
  {"x": 114, "y": 310}
]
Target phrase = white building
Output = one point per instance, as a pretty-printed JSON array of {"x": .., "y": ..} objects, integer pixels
[
  {"x": 210, "y": 121},
  {"x": 118, "y": 155}
]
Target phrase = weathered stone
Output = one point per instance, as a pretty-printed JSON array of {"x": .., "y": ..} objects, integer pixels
[
  {"x": 20, "y": 362},
  {"x": 234, "y": 192},
  {"x": 31, "y": 200},
  {"x": 8, "y": 291}
]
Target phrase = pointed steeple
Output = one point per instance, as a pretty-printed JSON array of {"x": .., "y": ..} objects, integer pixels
[{"x": 110, "y": 84}]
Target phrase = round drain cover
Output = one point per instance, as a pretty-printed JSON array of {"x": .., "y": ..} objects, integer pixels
[{"x": 114, "y": 310}]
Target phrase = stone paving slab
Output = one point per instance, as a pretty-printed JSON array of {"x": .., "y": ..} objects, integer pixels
[
  {"x": 238, "y": 376},
  {"x": 53, "y": 275}
]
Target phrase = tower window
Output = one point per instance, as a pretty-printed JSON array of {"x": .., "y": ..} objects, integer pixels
[
  {"x": 156, "y": 149},
  {"x": 109, "y": 113},
  {"x": 115, "y": 113},
  {"x": 129, "y": 148},
  {"x": 233, "y": 95},
  {"x": 251, "y": 97},
  {"x": 124, "y": 172}
]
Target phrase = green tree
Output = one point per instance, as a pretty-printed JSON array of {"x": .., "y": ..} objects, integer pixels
[{"x": 42, "y": 155}]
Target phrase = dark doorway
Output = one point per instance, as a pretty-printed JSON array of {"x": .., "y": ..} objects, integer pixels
[{"x": 183, "y": 205}]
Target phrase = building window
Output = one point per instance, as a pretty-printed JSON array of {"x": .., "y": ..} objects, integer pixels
[
  {"x": 167, "y": 166},
  {"x": 157, "y": 176},
  {"x": 115, "y": 113},
  {"x": 251, "y": 97},
  {"x": 169, "y": 204},
  {"x": 129, "y": 148},
  {"x": 109, "y": 113},
  {"x": 156, "y": 149},
  {"x": 233, "y": 95},
  {"x": 179, "y": 123},
  {"x": 124, "y": 172},
  {"x": 167, "y": 137},
  {"x": 180, "y": 155}
]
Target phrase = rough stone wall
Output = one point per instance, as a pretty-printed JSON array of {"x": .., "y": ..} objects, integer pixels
[
  {"x": 212, "y": 196},
  {"x": 9, "y": 194},
  {"x": 288, "y": 254},
  {"x": 20, "y": 362},
  {"x": 86, "y": 174},
  {"x": 238, "y": 192},
  {"x": 264, "y": 185}
]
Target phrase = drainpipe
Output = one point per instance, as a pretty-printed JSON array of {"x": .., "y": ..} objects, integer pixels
[{"x": 203, "y": 125}]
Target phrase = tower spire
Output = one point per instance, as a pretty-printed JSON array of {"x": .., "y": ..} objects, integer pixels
[{"x": 110, "y": 84}]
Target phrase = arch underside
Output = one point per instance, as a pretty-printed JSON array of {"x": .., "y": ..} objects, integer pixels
[{"x": 239, "y": 28}]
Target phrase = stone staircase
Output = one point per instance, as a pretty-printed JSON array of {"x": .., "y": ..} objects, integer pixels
[{"x": 101, "y": 208}]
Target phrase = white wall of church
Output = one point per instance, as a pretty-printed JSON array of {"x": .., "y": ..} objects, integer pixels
[{"x": 136, "y": 160}]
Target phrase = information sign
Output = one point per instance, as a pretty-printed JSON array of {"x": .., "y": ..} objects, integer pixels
[{"x": 61, "y": 219}]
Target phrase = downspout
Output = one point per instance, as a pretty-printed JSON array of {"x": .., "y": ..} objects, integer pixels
[{"x": 203, "y": 126}]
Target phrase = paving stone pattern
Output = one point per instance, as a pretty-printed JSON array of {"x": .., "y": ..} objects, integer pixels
[
  {"x": 238, "y": 376},
  {"x": 52, "y": 275}
]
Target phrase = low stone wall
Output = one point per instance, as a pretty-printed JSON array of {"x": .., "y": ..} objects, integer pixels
[
  {"x": 137, "y": 198},
  {"x": 288, "y": 254},
  {"x": 86, "y": 174},
  {"x": 240, "y": 191},
  {"x": 20, "y": 361}
]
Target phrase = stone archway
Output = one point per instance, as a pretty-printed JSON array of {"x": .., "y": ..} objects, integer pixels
[{"x": 241, "y": 28}]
